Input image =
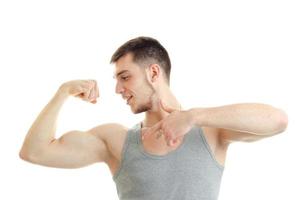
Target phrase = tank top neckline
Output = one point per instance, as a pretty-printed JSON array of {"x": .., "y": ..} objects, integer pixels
[{"x": 154, "y": 156}]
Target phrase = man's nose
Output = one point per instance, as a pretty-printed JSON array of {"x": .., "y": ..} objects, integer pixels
[{"x": 119, "y": 88}]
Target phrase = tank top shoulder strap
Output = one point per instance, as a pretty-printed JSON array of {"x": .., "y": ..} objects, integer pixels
[
  {"x": 197, "y": 137},
  {"x": 129, "y": 143}
]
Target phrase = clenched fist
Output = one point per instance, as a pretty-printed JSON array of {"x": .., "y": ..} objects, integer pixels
[{"x": 86, "y": 90}]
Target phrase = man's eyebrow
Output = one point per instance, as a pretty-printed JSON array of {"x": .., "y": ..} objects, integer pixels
[{"x": 119, "y": 73}]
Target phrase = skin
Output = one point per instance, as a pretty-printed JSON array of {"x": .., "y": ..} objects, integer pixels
[{"x": 163, "y": 128}]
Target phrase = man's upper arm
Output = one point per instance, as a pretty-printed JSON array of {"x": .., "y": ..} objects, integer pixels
[{"x": 76, "y": 149}]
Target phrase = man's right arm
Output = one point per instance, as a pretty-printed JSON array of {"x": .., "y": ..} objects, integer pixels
[{"x": 73, "y": 149}]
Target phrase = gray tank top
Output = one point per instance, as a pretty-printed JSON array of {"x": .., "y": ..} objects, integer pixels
[{"x": 190, "y": 172}]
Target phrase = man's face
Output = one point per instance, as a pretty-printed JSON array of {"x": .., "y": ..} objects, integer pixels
[{"x": 133, "y": 84}]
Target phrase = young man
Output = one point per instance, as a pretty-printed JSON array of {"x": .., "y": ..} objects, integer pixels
[{"x": 173, "y": 153}]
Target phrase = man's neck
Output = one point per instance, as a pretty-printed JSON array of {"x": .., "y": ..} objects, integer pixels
[{"x": 156, "y": 113}]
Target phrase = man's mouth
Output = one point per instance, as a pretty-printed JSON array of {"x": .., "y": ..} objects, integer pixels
[{"x": 129, "y": 99}]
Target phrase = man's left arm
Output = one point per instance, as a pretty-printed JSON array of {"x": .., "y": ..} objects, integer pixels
[{"x": 241, "y": 122}]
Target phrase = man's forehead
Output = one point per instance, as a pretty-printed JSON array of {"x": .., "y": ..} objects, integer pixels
[{"x": 125, "y": 64}]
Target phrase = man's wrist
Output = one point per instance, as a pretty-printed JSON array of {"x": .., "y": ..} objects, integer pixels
[
  {"x": 197, "y": 116},
  {"x": 62, "y": 93}
]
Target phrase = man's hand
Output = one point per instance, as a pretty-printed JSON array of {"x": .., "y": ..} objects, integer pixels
[
  {"x": 86, "y": 90},
  {"x": 173, "y": 127}
]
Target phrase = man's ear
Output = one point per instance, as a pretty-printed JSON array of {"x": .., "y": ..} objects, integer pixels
[{"x": 154, "y": 72}]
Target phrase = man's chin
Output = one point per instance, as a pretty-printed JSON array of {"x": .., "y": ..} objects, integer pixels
[
  {"x": 137, "y": 111},
  {"x": 140, "y": 109}
]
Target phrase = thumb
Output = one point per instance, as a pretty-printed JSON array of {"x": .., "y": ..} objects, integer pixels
[{"x": 166, "y": 108}]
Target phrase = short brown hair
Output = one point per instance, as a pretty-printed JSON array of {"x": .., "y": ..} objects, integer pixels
[{"x": 145, "y": 49}]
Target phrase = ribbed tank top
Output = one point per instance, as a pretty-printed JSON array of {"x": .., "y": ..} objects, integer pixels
[{"x": 190, "y": 172}]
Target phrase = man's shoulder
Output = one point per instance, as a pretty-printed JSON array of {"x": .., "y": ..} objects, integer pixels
[
  {"x": 107, "y": 130},
  {"x": 114, "y": 136}
]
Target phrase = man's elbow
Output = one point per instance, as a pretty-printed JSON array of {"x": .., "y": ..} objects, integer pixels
[
  {"x": 27, "y": 156},
  {"x": 24, "y": 155}
]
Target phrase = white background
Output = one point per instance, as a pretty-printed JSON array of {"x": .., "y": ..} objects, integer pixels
[{"x": 222, "y": 52}]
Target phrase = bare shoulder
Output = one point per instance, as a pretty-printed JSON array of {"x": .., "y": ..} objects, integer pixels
[
  {"x": 114, "y": 135},
  {"x": 108, "y": 130},
  {"x": 219, "y": 149}
]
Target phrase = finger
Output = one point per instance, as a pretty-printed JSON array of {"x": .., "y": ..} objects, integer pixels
[
  {"x": 93, "y": 94},
  {"x": 165, "y": 107},
  {"x": 152, "y": 130},
  {"x": 86, "y": 90},
  {"x": 97, "y": 90},
  {"x": 86, "y": 94},
  {"x": 94, "y": 101},
  {"x": 173, "y": 142},
  {"x": 169, "y": 142},
  {"x": 166, "y": 139}
]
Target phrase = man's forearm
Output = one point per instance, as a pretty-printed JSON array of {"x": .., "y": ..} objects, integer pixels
[
  {"x": 259, "y": 119},
  {"x": 42, "y": 131}
]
